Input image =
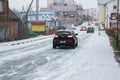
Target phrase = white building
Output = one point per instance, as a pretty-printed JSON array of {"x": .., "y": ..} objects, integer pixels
[
  {"x": 110, "y": 6},
  {"x": 44, "y": 16}
]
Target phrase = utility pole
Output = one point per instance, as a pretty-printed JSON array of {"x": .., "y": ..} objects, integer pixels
[
  {"x": 37, "y": 10},
  {"x": 26, "y": 22},
  {"x": 117, "y": 21},
  {"x": 28, "y": 11}
]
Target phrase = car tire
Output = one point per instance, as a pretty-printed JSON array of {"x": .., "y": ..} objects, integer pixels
[
  {"x": 77, "y": 44},
  {"x": 73, "y": 46},
  {"x": 54, "y": 46}
]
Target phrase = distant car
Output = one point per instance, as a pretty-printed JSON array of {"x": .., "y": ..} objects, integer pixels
[
  {"x": 83, "y": 28},
  {"x": 90, "y": 30},
  {"x": 65, "y": 38}
]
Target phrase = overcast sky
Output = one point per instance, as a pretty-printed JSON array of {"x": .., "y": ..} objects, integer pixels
[{"x": 18, "y": 4}]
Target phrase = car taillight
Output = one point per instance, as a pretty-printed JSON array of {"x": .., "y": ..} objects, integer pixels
[
  {"x": 56, "y": 36},
  {"x": 83, "y": 28},
  {"x": 70, "y": 36}
]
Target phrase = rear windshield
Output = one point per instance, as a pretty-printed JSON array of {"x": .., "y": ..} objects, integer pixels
[
  {"x": 90, "y": 28},
  {"x": 63, "y": 32}
]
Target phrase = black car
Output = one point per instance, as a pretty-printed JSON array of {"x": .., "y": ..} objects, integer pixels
[
  {"x": 90, "y": 30},
  {"x": 65, "y": 38}
]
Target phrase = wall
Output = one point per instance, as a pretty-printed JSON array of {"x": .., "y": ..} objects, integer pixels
[
  {"x": 101, "y": 14},
  {"x": 38, "y": 28},
  {"x": 5, "y": 14},
  {"x": 10, "y": 28},
  {"x": 109, "y": 9},
  {"x": 13, "y": 30}
]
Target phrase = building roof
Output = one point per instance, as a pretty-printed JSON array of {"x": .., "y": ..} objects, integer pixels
[
  {"x": 38, "y": 23},
  {"x": 13, "y": 16},
  {"x": 103, "y": 1},
  {"x": 61, "y": 8},
  {"x": 64, "y": 8},
  {"x": 61, "y": 2}
]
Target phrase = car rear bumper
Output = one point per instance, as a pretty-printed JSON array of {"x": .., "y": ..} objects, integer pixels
[{"x": 63, "y": 43}]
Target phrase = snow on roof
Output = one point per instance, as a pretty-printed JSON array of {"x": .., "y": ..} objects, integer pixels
[
  {"x": 61, "y": 8},
  {"x": 64, "y": 8},
  {"x": 103, "y": 1}
]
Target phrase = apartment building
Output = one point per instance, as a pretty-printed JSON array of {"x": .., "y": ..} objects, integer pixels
[{"x": 65, "y": 11}]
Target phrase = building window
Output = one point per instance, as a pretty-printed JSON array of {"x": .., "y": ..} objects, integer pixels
[
  {"x": 114, "y": 7},
  {"x": 65, "y": 14},
  {"x": 65, "y": 4},
  {"x": 113, "y": 16},
  {"x": 72, "y": 16},
  {"x": 1, "y": 33},
  {"x": 1, "y": 6},
  {"x": 54, "y": 3}
]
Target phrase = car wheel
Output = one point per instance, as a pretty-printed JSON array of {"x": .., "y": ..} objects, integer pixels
[
  {"x": 73, "y": 46},
  {"x": 77, "y": 44},
  {"x": 54, "y": 46}
]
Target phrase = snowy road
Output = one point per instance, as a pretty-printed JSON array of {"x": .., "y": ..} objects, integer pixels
[{"x": 39, "y": 61}]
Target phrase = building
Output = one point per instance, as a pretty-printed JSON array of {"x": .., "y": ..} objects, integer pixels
[
  {"x": 111, "y": 9},
  {"x": 60, "y": 2},
  {"x": 46, "y": 21},
  {"x": 101, "y": 12},
  {"x": 81, "y": 14},
  {"x": 44, "y": 15},
  {"x": 91, "y": 14},
  {"x": 65, "y": 11},
  {"x": 106, "y": 8},
  {"x": 8, "y": 22},
  {"x": 39, "y": 27}
]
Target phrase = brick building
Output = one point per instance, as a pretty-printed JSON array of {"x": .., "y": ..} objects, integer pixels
[
  {"x": 8, "y": 22},
  {"x": 65, "y": 11}
]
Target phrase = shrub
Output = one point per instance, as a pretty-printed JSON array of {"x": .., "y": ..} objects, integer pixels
[
  {"x": 32, "y": 34},
  {"x": 110, "y": 32}
]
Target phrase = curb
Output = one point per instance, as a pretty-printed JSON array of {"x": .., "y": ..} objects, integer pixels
[{"x": 29, "y": 41}]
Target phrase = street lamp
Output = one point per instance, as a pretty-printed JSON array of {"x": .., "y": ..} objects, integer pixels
[{"x": 117, "y": 20}]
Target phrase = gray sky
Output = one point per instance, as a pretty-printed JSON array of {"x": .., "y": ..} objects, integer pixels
[{"x": 18, "y": 4}]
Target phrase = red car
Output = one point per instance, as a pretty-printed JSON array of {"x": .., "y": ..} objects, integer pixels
[{"x": 83, "y": 28}]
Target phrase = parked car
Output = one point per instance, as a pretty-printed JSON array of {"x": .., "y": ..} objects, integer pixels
[
  {"x": 64, "y": 38},
  {"x": 90, "y": 30},
  {"x": 83, "y": 28}
]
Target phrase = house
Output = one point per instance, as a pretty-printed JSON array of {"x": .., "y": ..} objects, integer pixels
[
  {"x": 8, "y": 22},
  {"x": 111, "y": 13},
  {"x": 106, "y": 9}
]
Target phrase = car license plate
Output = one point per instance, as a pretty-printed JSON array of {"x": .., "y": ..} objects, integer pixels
[{"x": 62, "y": 41}]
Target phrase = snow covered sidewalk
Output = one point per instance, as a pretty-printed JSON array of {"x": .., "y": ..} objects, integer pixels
[
  {"x": 6, "y": 46},
  {"x": 97, "y": 61}
]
